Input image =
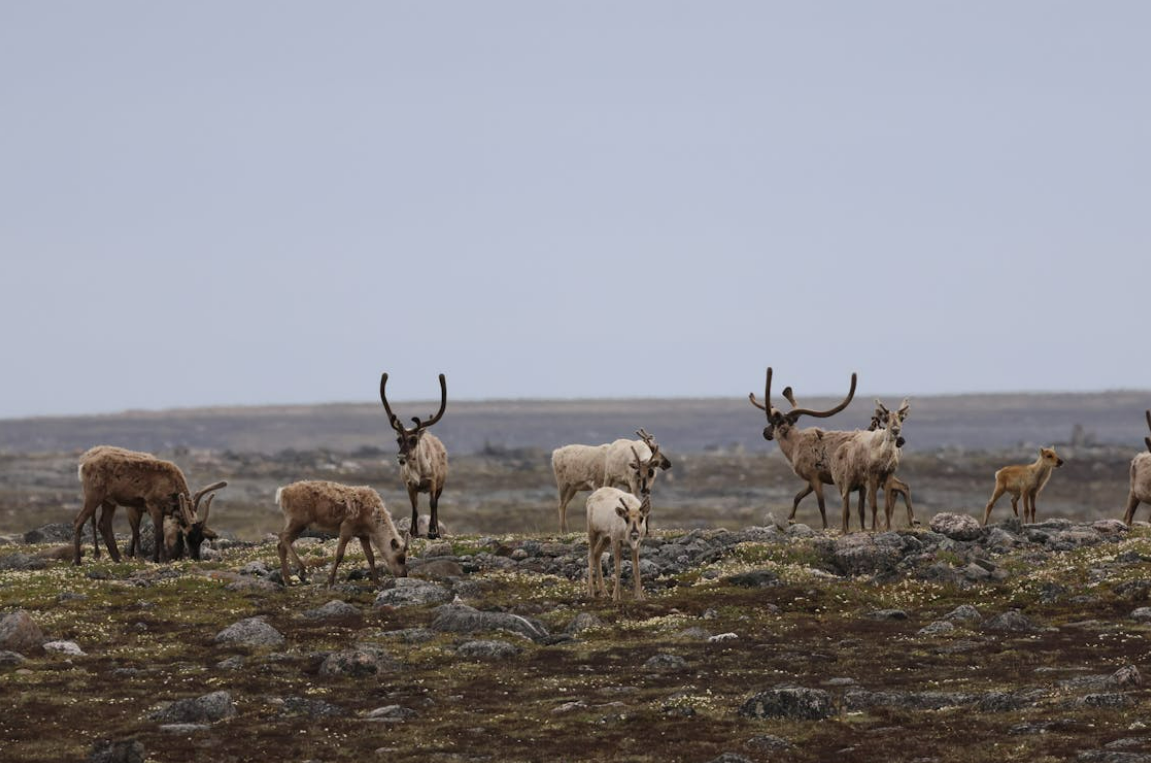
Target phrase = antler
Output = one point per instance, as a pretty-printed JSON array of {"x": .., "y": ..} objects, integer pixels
[
  {"x": 393, "y": 419},
  {"x": 766, "y": 405},
  {"x": 643, "y": 435},
  {"x": 795, "y": 413},
  {"x": 1148, "y": 439},
  {"x": 204, "y": 490},
  {"x": 443, "y": 404},
  {"x": 207, "y": 508},
  {"x": 635, "y": 453}
]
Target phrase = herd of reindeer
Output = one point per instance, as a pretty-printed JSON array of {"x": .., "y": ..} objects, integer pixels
[{"x": 619, "y": 474}]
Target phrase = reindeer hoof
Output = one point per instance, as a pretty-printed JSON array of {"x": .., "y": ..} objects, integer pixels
[{"x": 432, "y": 535}]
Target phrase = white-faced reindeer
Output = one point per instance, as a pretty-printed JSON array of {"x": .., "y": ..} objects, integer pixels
[
  {"x": 423, "y": 459},
  {"x": 614, "y": 518},
  {"x": 630, "y": 464},
  {"x": 1140, "y": 479},
  {"x": 808, "y": 451},
  {"x": 112, "y": 477},
  {"x": 892, "y": 485},
  {"x": 864, "y": 461}
]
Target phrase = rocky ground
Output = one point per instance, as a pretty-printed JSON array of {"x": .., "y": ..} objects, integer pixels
[{"x": 944, "y": 642}]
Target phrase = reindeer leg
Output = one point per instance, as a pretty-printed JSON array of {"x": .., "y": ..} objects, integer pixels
[
  {"x": 617, "y": 556},
  {"x": 90, "y": 506},
  {"x": 1015, "y": 506},
  {"x": 1132, "y": 504},
  {"x": 999, "y": 491},
  {"x": 288, "y": 536},
  {"x": 846, "y": 511},
  {"x": 134, "y": 517},
  {"x": 795, "y": 505},
  {"x": 592, "y": 566},
  {"x": 434, "y": 522},
  {"x": 95, "y": 538},
  {"x": 106, "y": 513},
  {"x": 364, "y": 544},
  {"x": 818, "y": 488},
  {"x": 635, "y": 573},
  {"x": 345, "y": 536},
  {"x": 565, "y": 497},
  {"x": 414, "y": 497}
]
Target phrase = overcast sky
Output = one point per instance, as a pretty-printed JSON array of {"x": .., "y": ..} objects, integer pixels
[{"x": 270, "y": 202}]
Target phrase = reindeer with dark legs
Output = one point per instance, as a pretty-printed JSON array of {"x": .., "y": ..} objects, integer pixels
[
  {"x": 892, "y": 485},
  {"x": 808, "y": 451},
  {"x": 423, "y": 459}
]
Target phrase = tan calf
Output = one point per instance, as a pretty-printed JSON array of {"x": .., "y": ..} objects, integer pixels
[
  {"x": 614, "y": 517},
  {"x": 1140, "y": 479},
  {"x": 1024, "y": 481}
]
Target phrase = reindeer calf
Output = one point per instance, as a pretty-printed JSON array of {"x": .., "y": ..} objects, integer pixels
[
  {"x": 614, "y": 517},
  {"x": 1026, "y": 481},
  {"x": 355, "y": 512}
]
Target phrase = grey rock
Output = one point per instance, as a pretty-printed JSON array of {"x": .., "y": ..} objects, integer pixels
[
  {"x": 862, "y": 553},
  {"x": 311, "y": 708},
  {"x": 20, "y": 633},
  {"x": 956, "y": 526},
  {"x": 251, "y": 632},
  {"x": 730, "y": 757},
  {"x": 886, "y": 614},
  {"x": 755, "y": 579},
  {"x": 460, "y": 618},
  {"x": 488, "y": 650},
  {"x": 11, "y": 659},
  {"x": 800, "y": 531},
  {"x": 232, "y": 663},
  {"x": 22, "y": 562},
  {"x": 937, "y": 627},
  {"x": 1134, "y": 590},
  {"x": 1105, "y": 700},
  {"x": 964, "y": 613},
  {"x": 119, "y": 751},
  {"x": 183, "y": 728},
  {"x": 1011, "y": 621},
  {"x": 363, "y": 660},
  {"x": 391, "y": 714},
  {"x": 333, "y": 610},
  {"x": 909, "y": 700},
  {"x": 1003, "y": 702},
  {"x": 767, "y": 743},
  {"x": 788, "y": 702},
  {"x": 206, "y": 709},
  {"x": 1113, "y": 756},
  {"x": 582, "y": 622},
  {"x": 434, "y": 548},
  {"x": 407, "y": 592},
  {"x": 436, "y": 569},
  {"x": 663, "y": 662},
  {"x": 1127, "y": 676},
  {"x": 58, "y": 532},
  {"x": 70, "y": 648},
  {"x": 1142, "y": 614},
  {"x": 694, "y": 633},
  {"x": 1110, "y": 527}
]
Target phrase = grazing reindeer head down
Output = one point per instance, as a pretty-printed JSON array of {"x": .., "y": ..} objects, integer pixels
[
  {"x": 778, "y": 422},
  {"x": 409, "y": 439},
  {"x": 636, "y": 521},
  {"x": 194, "y": 529}
]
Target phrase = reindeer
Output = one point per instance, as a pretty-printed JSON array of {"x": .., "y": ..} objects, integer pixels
[
  {"x": 112, "y": 476},
  {"x": 614, "y": 517},
  {"x": 354, "y": 512},
  {"x": 423, "y": 459},
  {"x": 1140, "y": 478},
  {"x": 808, "y": 451},
  {"x": 1026, "y": 481},
  {"x": 865, "y": 460},
  {"x": 892, "y": 485}
]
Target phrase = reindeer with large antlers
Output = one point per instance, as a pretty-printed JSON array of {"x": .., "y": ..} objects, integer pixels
[
  {"x": 1140, "y": 478},
  {"x": 808, "y": 451},
  {"x": 423, "y": 459}
]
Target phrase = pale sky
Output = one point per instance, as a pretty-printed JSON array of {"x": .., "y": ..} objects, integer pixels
[{"x": 271, "y": 202}]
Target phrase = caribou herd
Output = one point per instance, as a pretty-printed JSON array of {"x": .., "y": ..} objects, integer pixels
[{"x": 619, "y": 474}]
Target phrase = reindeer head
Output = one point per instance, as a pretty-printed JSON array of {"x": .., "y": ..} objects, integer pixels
[
  {"x": 396, "y": 552},
  {"x": 1049, "y": 457},
  {"x": 645, "y": 469},
  {"x": 885, "y": 419},
  {"x": 636, "y": 521},
  {"x": 778, "y": 422},
  {"x": 408, "y": 439},
  {"x": 193, "y": 529}
]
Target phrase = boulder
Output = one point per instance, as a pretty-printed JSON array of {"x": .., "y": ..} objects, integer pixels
[
  {"x": 206, "y": 709},
  {"x": 460, "y": 618},
  {"x": 956, "y": 526},
  {"x": 793, "y": 702},
  {"x": 488, "y": 650},
  {"x": 251, "y": 632},
  {"x": 119, "y": 751},
  {"x": 363, "y": 660},
  {"x": 407, "y": 592},
  {"x": 20, "y": 633}
]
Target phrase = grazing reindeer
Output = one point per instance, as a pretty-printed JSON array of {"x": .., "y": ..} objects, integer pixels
[
  {"x": 1026, "y": 481},
  {"x": 355, "y": 512},
  {"x": 1140, "y": 478},
  {"x": 892, "y": 485},
  {"x": 423, "y": 459},
  {"x": 865, "y": 460},
  {"x": 808, "y": 451},
  {"x": 112, "y": 477},
  {"x": 614, "y": 517}
]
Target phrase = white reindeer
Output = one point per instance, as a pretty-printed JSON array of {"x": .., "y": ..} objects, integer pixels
[{"x": 614, "y": 517}]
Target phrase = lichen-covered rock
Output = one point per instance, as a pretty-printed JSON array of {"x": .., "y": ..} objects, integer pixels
[
  {"x": 363, "y": 660},
  {"x": 118, "y": 751},
  {"x": 488, "y": 650},
  {"x": 964, "y": 613},
  {"x": 20, "y": 633},
  {"x": 863, "y": 553},
  {"x": 206, "y": 709},
  {"x": 956, "y": 526},
  {"x": 251, "y": 632},
  {"x": 407, "y": 592},
  {"x": 310, "y": 708},
  {"x": 70, "y": 648},
  {"x": 1011, "y": 621},
  {"x": 793, "y": 702},
  {"x": 460, "y": 618},
  {"x": 662, "y": 662},
  {"x": 333, "y": 610}
]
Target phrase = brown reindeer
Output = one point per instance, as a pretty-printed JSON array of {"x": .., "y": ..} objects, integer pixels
[
  {"x": 1140, "y": 478},
  {"x": 1026, "y": 481},
  {"x": 808, "y": 451},
  {"x": 892, "y": 485},
  {"x": 423, "y": 459}
]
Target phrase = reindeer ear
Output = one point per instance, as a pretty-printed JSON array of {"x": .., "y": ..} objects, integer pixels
[
  {"x": 396, "y": 545},
  {"x": 621, "y": 510}
]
